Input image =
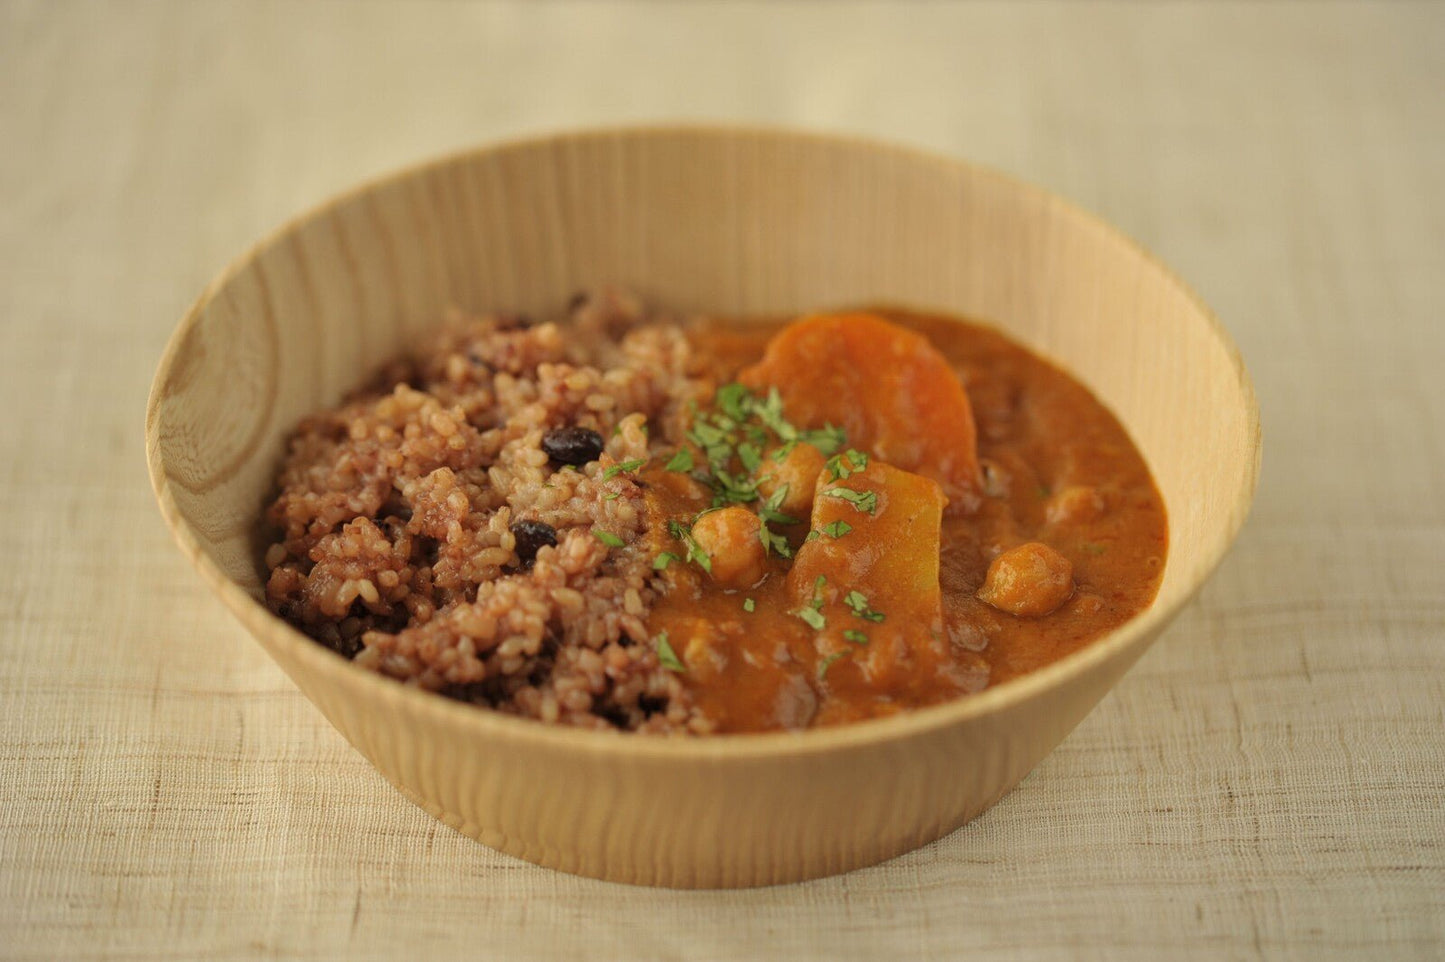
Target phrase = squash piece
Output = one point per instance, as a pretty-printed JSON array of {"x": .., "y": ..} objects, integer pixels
[
  {"x": 878, "y": 601},
  {"x": 887, "y": 386}
]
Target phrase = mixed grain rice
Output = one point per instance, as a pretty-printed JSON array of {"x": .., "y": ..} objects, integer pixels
[{"x": 392, "y": 531}]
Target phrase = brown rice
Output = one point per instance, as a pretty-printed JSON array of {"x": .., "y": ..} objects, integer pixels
[{"x": 394, "y": 541}]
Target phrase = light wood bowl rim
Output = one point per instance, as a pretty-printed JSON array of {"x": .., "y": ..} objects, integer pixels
[{"x": 902, "y": 727}]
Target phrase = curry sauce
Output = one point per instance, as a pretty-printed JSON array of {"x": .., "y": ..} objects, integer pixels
[{"x": 858, "y": 613}]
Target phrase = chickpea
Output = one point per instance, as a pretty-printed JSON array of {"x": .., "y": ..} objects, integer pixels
[
  {"x": 799, "y": 471},
  {"x": 731, "y": 539},
  {"x": 1030, "y": 581}
]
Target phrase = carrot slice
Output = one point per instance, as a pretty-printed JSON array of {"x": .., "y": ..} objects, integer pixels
[{"x": 889, "y": 388}]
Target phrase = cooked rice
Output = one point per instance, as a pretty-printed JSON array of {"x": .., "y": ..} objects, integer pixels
[{"x": 394, "y": 543}]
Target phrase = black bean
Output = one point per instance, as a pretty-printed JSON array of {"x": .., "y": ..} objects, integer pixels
[
  {"x": 531, "y": 537},
  {"x": 572, "y": 445}
]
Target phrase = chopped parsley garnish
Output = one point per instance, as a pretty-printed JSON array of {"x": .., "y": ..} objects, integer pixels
[
  {"x": 749, "y": 605},
  {"x": 865, "y": 501},
  {"x": 663, "y": 559},
  {"x": 813, "y": 617},
  {"x": 841, "y": 466},
  {"x": 818, "y": 584},
  {"x": 732, "y": 436},
  {"x": 857, "y": 603},
  {"x": 728, "y": 445},
  {"x": 734, "y": 400},
  {"x": 826, "y": 439},
  {"x": 681, "y": 461},
  {"x": 770, "y": 412},
  {"x": 624, "y": 467},
  {"x": 695, "y": 553},
  {"x": 836, "y": 529},
  {"x": 770, "y": 509},
  {"x": 773, "y": 541},
  {"x": 608, "y": 538},
  {"x": 827, "y": 662},
  {"x": 728, "y": 488},
  {"x": 612, "y": 496},
  {"x": 769, "y": 513},
  {"x": 706, "y": 434},
  {"x": 855, "y": 636},
  {"x": 812, "y": 613},
  {"x": 666, "y": 656}
]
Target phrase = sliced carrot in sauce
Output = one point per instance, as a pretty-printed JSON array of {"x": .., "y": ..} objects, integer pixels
[{"x": 888, "y": 387}]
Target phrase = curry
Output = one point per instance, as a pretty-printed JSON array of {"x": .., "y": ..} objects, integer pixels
[{"x": 885, "y": 511}]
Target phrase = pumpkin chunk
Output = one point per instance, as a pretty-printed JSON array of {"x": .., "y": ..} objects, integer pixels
[{"x": 873, "y": 589}]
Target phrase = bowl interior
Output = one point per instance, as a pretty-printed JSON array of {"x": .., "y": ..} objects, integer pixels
[{"x": 721, "y": 221}]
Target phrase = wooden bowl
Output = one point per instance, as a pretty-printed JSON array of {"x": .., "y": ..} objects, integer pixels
[{"x": 732, "y": 221}]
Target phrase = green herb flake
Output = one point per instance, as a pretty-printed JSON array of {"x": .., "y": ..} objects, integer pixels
[
  {"x": 812, "y": 617},
  {"x": 812, "y": 536},
  {"x": 749, "y": 605},
  {"x": 780, "y": 454},
  {"x": 769, "y": 511},
  {"x": 730, "y": 489},
  {"x": 681, "y": 461},
  {"x": 836, "y": 529},
  {"x": 772, "y": 541},
  {"x": 855, "y": 636},
  {"x": 865, "y": 501},
  {"x": 624, "y": 467},
  {"x": 706, "y": 435},
  {"x": 612, "y": 496},
  {"x": 750, "y": 456},
  {"x": 842, "y": 466},
  {"x": 857, "y": 603},
  {"x": 666, "y": 656},
  {"x": 734, "y": 400},
  {"x": 663, "y": 559},
  {"x": 695, "y": 553},
  {"x": 607, "y": 538},
  {"x": 770, "y": 412},
  {"x": 818, "y": 584},
  {"x": 827, "y": 439},
  {"x": 827, "y": 662}
]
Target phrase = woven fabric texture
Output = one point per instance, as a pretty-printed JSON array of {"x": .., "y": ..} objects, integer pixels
[{"x": 1269, "y": 782}]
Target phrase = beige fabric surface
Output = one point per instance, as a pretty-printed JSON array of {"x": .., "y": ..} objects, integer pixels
[{"x": 1267, "y": 783}]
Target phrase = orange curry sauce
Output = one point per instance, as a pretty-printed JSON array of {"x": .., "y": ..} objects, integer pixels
[{"x": 1054, "y": 466}]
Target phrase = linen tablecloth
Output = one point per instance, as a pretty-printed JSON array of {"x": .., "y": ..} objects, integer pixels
[{"x": 1267, "y": 783}]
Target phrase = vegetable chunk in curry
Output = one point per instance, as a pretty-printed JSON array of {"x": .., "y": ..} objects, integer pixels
[{"x": 882, "y": 511}]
